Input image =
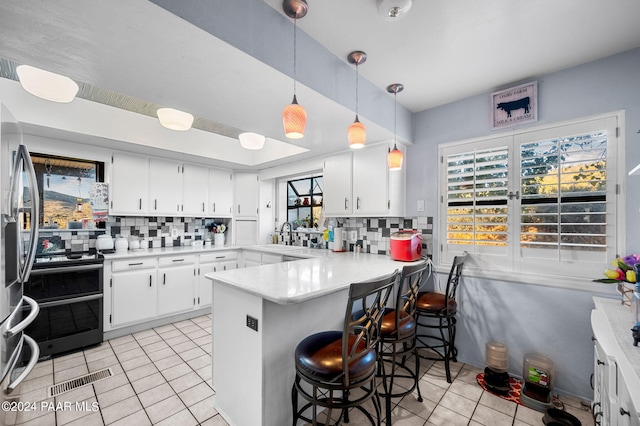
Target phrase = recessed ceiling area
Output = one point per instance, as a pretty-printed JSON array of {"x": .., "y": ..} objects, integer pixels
[{"x": 230, "y": 64}]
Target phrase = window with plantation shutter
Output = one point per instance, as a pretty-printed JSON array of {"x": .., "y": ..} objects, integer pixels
[{"x": 538, "y": 201}]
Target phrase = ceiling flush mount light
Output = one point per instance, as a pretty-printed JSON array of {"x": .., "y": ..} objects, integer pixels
[
  {"x": 395, "y": 157},
  {"x": 252, "y": 141},
  {"x": 294, "y": 117},
  {"x": 357, "y": 133},
  {"x": 47, "y": 85},
  {"x": 175, "y": 119},
  {"x": 392, "y": 10}
]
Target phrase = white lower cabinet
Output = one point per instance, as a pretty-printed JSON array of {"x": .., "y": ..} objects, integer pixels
[
  {"x": 176, "y": 284},
  {"x": 212, "y": 262},
  {"x": 133, "y": 286},
  {"x": 616, "y": 383}
]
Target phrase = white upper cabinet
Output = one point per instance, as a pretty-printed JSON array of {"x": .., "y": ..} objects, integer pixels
[
  {"x": 359, "y": 183},
  {"x": 129, "y": 184},
  {"x": 370, "y": 181},
  {"x": 195, "y": 189},
  {"x": 247, "y": 189},
  {"x": 165, "y": 185},
  {"x": 220, "y": 193},
  {"x": 336, "y": 196}
]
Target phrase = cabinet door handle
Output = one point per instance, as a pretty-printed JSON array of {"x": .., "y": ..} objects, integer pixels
[
  {"x": 155, "y": 204},
  {"x": 600, "y": 362},
  {"x": 139, "y": 203},
  {"x": 238, "y": 208},
  {"x": 150, "y": 278},
  {"x": 203, "y": 206},
  {"x": 624, "y": 412},
  {"x": 357, "y": 203},
  {"x": 214, "y": 207},
  {"x": 345, "y": 203}
]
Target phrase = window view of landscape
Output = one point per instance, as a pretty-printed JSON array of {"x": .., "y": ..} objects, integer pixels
[
  {"x": 561, "y": 196},
  {"x": 64, "y": 186}
]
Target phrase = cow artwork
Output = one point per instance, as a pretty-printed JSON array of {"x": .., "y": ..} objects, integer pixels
[
  {"x": 524, "y": 103},
  {"x": 514, "y": 106}
]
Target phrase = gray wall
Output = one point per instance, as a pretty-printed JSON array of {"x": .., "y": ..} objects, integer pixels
[{"x": 552, "y": 321}]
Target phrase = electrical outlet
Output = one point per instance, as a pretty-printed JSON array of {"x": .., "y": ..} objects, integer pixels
[
  {"x": 353, "y": 235},
  {"x": 252, "y": 323},
  {"x": 420, "y": 206},
  {"x": 174, "y": 232}
]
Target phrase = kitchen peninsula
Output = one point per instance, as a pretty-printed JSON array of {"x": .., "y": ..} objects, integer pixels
[{"x": 261, "y": 313}]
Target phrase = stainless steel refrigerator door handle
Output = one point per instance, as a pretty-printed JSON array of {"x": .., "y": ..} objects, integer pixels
[
  {"x": 35, "y": 354},
  {"x": 22, "y": 155},
  {"x": 35, "y": 309}
]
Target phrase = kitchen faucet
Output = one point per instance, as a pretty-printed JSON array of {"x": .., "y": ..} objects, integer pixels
[{"x": 288, "y": 224}]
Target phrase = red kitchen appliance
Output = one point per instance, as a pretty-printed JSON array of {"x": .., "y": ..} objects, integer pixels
[{"x": 406, "y": 245}]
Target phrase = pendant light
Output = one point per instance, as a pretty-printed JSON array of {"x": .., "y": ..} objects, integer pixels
[
  {"x": 395, "y": 156},
  {"x": 357, "y": 133},
  {"x": 294, "y": 117}
]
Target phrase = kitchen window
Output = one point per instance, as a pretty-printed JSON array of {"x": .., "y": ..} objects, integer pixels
[
  {"x": 64, "y": 185},
  {"x": 535, "y": 201},
  {"x": 304, "y": 201}
]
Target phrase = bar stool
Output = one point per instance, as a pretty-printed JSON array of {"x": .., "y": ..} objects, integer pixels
[
  {"x": 437, "y": 311},
  {"x": 398, "y": 336},
  {"x": 337, "y": 369}
]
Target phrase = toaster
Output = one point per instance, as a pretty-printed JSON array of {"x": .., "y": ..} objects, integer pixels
[{"x": 406, "y": 245}]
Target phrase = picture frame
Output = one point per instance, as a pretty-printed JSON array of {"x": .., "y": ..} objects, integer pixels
[{"x": 514, "y": 106}]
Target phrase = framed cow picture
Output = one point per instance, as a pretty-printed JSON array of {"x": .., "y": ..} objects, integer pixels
[{"x": 514, "y": 106}]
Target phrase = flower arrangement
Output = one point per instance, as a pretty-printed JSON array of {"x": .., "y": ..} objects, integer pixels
[
  {"x": 216, "y": 228},
  {"x": 622, "y": 271}
]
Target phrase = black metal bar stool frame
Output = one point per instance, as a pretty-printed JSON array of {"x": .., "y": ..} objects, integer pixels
[
  {"x": 435, "y": 311},
  {"x": 398, "y": 338},
  {"x": 332, "y": 366}
]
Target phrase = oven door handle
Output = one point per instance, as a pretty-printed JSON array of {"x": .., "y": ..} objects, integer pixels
[
  {"x": 35, "y": 309},
  {"x": 62, "y": 269},
  {"x": 71, "y": 300},
  {"x": 35, "y": 354}
]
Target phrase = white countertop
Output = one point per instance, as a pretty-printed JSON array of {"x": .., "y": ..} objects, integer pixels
[
  {"x": 162, "y": 251},
  {"x": 297, "y": 281},
  {"x": 621, "y": 320}
]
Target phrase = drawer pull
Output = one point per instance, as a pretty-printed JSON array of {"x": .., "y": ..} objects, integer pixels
[
  {"x": 600, "y": 362},
  {"x": 220, "y": 257},
  {"x": 178, "y": 260},
  {"x": 624, "y": 412},
  {"x": 136, "y": 264}
]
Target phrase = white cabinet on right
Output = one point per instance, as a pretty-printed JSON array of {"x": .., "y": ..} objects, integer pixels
[
  {"x": 359, "y": 183},
  {"x": 616, "y": 376}
]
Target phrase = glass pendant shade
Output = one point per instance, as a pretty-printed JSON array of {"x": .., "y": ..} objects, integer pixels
[
  {"x": 357, "y": 134},
  {"x": 294, "y": 119},
  {"x": 394, "y": 158},
  {"x": 47, "y": 85},
  {"x": 175, "y": 119},
  {"x": 252, "y": 141}
]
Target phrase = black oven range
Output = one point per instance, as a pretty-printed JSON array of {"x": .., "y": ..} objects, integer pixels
[{"x": 69, "y": 290}]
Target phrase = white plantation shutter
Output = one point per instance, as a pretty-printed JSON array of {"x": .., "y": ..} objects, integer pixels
[
  {"x": 541, "y": 200},
  {"x": 475, "y": 199}
]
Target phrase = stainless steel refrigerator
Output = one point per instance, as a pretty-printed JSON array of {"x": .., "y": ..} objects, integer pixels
[{"x": 19, "y": 211}]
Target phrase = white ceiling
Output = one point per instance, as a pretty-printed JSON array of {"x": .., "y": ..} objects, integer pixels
[{"x": 441, "y": 51}]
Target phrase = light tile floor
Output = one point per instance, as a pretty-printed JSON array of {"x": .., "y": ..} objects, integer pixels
[{"x": 162, "y": 377}]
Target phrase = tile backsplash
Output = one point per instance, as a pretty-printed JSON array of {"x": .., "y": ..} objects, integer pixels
[
  {"x": 175, "y": 231},
  {"x": 373, "y": 232},
  {"x": 152, "y": 231}
]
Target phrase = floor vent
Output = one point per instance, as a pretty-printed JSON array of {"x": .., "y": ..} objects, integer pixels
[{"x": 78, "y": 382}]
